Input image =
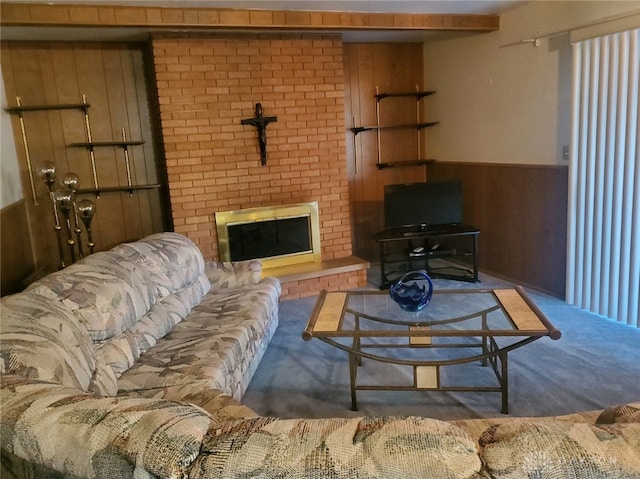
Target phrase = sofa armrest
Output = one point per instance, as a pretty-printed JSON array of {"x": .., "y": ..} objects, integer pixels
[
  {"x": 233, "y": 274},
  {"x": 57, "y": 428}
]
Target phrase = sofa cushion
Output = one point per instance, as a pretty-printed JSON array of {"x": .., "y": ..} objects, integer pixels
[
  {"x": 123, "y": 350},
  {"x": 41, "y": 339},
  {"x": 561, "y": 449},
  {"x": 233, "y": 274},
  {"x": 104, "y": 381},
  {"x": 171, "y": 261},
  {"x": 105, "y": 291},
  {"x": 373, "y": 447},
  {"x": 216, "y": 342}
]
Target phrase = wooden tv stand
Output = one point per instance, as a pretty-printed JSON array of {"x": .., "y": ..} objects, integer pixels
[{"x": 423, "y": 244}]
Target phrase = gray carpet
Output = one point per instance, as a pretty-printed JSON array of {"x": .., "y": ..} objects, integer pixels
[{"x": 595, "y": 364}]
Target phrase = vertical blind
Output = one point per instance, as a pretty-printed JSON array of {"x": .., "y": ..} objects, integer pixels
[{"x": 603, "y": 251}]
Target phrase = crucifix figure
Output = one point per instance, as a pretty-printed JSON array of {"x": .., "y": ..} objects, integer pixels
[{"x": 261, "y": 122}]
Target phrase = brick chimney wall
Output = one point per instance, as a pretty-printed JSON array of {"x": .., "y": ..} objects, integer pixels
[{"x": 206, "y": 86}]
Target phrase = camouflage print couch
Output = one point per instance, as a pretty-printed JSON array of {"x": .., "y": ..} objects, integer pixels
[{"x": 130, "y": 364}]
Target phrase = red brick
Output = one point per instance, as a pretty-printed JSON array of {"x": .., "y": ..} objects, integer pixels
[{"x": 210, "y": 85}]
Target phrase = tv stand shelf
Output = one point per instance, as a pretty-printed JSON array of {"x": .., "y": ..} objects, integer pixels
[{"x": 394, "y": 263}]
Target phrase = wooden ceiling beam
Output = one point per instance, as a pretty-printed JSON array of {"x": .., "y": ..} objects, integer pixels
[{"x": 37, "y": 14}]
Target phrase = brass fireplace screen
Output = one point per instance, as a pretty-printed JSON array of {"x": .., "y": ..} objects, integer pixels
[{"x": 277, "y": 235}]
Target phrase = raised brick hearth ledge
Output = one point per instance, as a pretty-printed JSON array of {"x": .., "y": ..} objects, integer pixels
[{"x": 308, "y": 279}]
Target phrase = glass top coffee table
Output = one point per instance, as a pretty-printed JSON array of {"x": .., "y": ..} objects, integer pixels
[{"x": 458, "y": 327}]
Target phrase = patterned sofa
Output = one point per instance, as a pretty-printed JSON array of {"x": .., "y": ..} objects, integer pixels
[{"x": 132, "y": 362}]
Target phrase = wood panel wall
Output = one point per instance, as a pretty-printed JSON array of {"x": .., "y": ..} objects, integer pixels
[
  {"x": 522, "y": 212},
  {"x": 16, "y": 256},
  {"x": 393, "y": 68},
  {"x": 113, "y": 78}
]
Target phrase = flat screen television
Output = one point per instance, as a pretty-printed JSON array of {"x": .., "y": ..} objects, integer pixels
[{"x": 421, "y": 205}]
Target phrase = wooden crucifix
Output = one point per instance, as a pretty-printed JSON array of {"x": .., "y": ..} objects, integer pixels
[{"x": 261, "y": 122}]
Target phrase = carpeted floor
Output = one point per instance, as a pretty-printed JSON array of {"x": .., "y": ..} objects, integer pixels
[{"x": 595, "y": 364}]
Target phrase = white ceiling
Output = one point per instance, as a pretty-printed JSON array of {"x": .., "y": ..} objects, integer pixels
[{"x": 385, "y": 6}]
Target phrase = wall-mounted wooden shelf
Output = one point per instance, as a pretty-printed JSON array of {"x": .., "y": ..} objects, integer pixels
[
  {"x": 24, "y": 108},
  {"x": 410, "y": 126},
  {"x": 89, "y": 145},
  {"x": 117, "y": 189},
  {"x": 92, "y": 145},
  {"x": 418, "y": 126},
  {"x": 19, "y": 110},
  {"x": 394, "y": 164},
  {"x": 414, "y": 94},
  {"x": 95, "y": 144}
]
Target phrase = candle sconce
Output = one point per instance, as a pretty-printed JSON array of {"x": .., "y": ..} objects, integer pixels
[
  {"x": 70, "y": 181},
  {"x": 87, "y": 209},
  {"x": 64, "y": 201}
]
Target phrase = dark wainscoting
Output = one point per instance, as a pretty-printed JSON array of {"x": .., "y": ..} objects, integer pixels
[
  {"x": 522, "y": 212},
  {"x": 16, "y": 255}
]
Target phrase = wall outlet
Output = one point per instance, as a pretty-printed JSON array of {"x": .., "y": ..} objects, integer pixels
[{"x": 565, "y": 152}]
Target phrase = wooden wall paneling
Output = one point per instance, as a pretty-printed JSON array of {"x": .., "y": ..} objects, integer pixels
[
  {"x": 65, "y": 90},
  {"x": 154, "y": 148},
  {"x": 360, "y": 66},
  {"x": 365, "y": 197},
  {"x": 34, "y": 74},
  {"x": 137, "y": 116},
  {"x": 113, "y": 78},
  {"x": 391, "y": 146},
  {"x": 521, "y": 210},
  {"x": 396, "y": 71},
  {"x": 146, "y": 165},
  {"x": 66, "y": 126},
  {"x": 393, "y": 68},
  {"x": 17, "y": 260},
  {"x": 365, "y": 184},
  {"x": 113, "y": 222},
  {"x": 385, "y": 76},
  {"x": 90, "y": 70},
  {"x": 404, "y": 73},
  {"x": 351, "y": 141},
  {"x": 118, "y": 116},
  {"x": 123, "y": 115},
  {"x": 151, "y": 165}
]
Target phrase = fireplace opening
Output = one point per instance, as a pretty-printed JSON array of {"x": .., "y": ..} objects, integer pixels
[
  {"x": 278, "y": 236},
  {"x": 269, "y": 238}
]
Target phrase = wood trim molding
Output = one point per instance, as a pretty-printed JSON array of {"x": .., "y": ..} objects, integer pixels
[
  {"x": 503, "y": 165},
  {"x": 30, "y": 14}
]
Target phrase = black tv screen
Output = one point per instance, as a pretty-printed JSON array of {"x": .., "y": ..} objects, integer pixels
[{"x": 423, "y": 204}]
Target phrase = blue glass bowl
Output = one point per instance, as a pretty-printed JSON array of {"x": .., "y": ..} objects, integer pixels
[{"x": 413, "y": 291}]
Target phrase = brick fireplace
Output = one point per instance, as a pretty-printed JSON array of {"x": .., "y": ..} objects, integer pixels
[{"x": 207, "y": 85}]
